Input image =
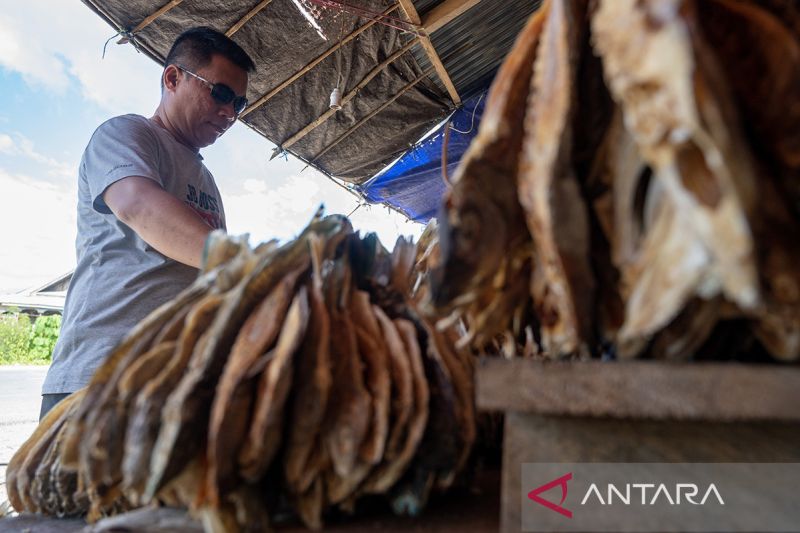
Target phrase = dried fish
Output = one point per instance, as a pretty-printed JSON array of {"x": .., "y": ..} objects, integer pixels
[
  {"x": 265, "y": 432},
  {"x": 183, "y": 413},
  {"x": 311, "y": 387},
  {"x": 145, "y": 420},
  {"x": 350, "y": 410},
  {"x": 483, "y": 240}
]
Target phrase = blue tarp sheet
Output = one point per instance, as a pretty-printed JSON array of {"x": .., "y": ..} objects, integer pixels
[{"x": 414, "y": 184}]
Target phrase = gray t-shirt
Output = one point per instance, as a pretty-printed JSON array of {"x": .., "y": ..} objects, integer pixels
[{"x": 120, "y": 279}]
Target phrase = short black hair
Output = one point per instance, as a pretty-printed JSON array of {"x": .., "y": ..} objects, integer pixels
[{"x": 194, "y": 47}]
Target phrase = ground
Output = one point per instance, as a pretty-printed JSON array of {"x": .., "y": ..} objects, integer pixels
[{"x": 20, "y": 399}]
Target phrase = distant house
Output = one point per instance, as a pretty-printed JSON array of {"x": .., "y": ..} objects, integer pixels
[{"x": 45, "y": 300}]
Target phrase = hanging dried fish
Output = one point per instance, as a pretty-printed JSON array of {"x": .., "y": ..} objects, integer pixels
[{"x": 483, "y": 241}]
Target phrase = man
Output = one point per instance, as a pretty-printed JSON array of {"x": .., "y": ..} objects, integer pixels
[{"x": 146, "y": 204}]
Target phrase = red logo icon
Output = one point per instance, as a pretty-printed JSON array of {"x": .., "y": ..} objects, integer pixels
[{"x": 562, "y": 482}]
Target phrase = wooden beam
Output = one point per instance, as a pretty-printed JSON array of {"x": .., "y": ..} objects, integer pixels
[
  {"x": 364, "y": 120},
  {"x": 349, "y": 96},
  {"x": 261, "y": 101},
  {"x": 250, "y": 14},
  {"x": 410, "y": 11},
  {"x": 425, "y": 42},
  {"x": 148, "y": 20},
  {"x": 445, "y": 12}
]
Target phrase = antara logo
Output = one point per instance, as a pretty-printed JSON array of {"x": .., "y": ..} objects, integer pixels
[
  {"x": 682, "y": 492},
  {"x": 562, "y": 482},
  {"x": 688, "y": 490}
]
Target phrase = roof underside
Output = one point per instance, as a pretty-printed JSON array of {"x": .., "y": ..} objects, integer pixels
[{"x": 395, "y": 96}]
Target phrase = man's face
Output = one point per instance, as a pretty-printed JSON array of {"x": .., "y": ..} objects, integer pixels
[{"x": 200, "y": 119}]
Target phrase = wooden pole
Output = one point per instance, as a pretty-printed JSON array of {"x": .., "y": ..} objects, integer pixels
[
  {"x": 250, "y": 14},
  {"x": 364, "y": 120},
  {"x": 349, "y": 96},
  {"x": 148, "y": 20},
  {"x": 261, "y": 101},
  {"x": 425, "y": 41},
  {"x": 446, "y": 12}
]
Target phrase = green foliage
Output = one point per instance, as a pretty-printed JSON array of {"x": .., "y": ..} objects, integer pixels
[
  {"x": 24, "y": 343},
  {"x": 43, "y": 338},
  {"x": 15, "y": 334}
]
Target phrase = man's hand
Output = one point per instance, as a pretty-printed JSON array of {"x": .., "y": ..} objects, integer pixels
[{"x": 160, "y": 219}]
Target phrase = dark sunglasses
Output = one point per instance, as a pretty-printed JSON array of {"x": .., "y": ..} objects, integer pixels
[{"x": 221, "y": 93}]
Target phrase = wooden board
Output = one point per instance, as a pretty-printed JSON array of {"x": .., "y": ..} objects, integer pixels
[
  {"x": 638, "y": 411},
  {"x": 533, "y": 438},
  {"x": 641, "y": 389}
]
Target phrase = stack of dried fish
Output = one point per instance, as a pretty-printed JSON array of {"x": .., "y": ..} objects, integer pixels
[
  {"x": 296, "y": 377},
  {"x": 633, "y": 187}
]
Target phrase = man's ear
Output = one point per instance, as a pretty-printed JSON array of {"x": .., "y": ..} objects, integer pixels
[{"x": 170, "y": 77}]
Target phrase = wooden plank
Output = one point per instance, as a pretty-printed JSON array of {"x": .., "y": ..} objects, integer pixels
[
  {"x": 425, "y": 41},
  {"x": 261, "y": 101},
  {"x": 648, "y": 389},
  {"x": 446, "y": 12},
  {"x": 531, "y": 438},
  {"x": 250, "y": 14},
  {"x": 346, "y": 98},
  {"x": 364, "y": 120}
]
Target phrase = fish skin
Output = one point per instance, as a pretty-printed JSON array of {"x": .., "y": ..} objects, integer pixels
[{"x": 235, "y": 392}]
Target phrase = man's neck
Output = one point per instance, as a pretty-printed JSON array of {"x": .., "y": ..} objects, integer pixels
[{"x": 161, "y": 118}]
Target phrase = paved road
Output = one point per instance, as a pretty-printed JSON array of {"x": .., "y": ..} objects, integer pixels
[{"x": 20, "y": 399}]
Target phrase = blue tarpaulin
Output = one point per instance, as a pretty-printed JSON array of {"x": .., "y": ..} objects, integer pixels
[{"x": 414, "y": 183}]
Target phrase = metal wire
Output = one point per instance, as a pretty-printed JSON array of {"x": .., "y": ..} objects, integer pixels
[{"x": 386, "y": 20}]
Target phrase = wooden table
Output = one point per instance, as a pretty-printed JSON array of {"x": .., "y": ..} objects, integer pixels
[{"x": 638, "y": 411}]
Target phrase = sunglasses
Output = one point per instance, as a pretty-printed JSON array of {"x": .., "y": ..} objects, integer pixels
[{"x": 221, "y": 93}]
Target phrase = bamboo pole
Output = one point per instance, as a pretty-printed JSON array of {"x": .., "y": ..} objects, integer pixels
[
  {"x": 349, "y": 96},
  {"x": 149, "y": 19},
  {"x": 261, "y": 101},
  {"x": 364, "y": 120},
  {"x": 250, "y": 14}
]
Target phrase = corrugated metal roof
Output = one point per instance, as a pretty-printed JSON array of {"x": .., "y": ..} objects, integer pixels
[{"x": 473, "y": 45}]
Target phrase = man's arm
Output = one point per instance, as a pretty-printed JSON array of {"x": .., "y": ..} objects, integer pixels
[{"x": 160, "y": 219}]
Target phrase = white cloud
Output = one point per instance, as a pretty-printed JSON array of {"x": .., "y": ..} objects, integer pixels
[
  {"x": 255, "y": 186},
  {"x": 30, "y": 56},
  {"x": 38, "y": 241},
  {"x": 50, "y": 41},
  {"x": 18, "y": 145},
  {"x": 7, "y": 144}
]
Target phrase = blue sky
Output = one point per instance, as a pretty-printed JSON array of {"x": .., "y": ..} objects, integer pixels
[{"x": 55, "y": 90}]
